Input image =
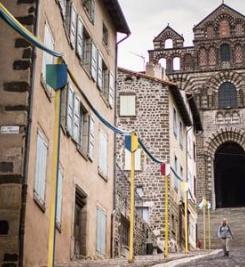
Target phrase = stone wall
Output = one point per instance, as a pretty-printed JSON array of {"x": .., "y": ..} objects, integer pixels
[
  {"x": 15, "y": 87},
  {"x": 152, "y": 124}
]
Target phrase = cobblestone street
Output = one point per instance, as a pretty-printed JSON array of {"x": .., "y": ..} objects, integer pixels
[{"x": 236, "y": 259}]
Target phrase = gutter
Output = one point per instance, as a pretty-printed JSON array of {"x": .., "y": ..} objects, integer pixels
[
  {"x": 115, "y": 145},
  {"x": 27, "y": 149}
]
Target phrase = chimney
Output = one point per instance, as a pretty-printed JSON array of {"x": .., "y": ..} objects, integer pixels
[{"x": 156, "y": 71}]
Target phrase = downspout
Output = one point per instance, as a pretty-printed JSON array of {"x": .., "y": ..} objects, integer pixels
[
  {"x": 27, "y": 149},
  {"x": 115, "y": 143}
]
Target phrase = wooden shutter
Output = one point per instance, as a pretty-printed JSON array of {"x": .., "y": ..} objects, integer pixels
[
  {"x": 59, "y": 196},
  {"x": 91, "y": 137},
  {"x": 64, "y": 94},
  {"x": 99, "y": 68},
  {"x": 106, "y": 82},
  {"x": 94, "y": 58},
  {"x": 62, "y": 4},
  {"x": 76, "y": 119},
  {"x": 79, "y": 41},
  {"x": 101, "y": 231},
  {"x": 41, "y": 165},
  {"x": 73, "y": 26},
  {"x": 70, "y": 108},
  {"x": 92, "y": 10},
  {"x": 111, "y": 91},
  {"x": 48, "y": 42},
  {"x": 103, "y": 153}
]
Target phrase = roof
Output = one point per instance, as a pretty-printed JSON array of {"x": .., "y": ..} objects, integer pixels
[
  {"x": 168, "y": 28},
  {"x": 114, "y": 9},
  {"x": 173, "y": 89},
  {"x": 213, "y": 12},
  {"x": 195, "y": 113}
]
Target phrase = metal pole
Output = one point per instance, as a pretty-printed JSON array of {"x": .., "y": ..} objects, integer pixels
[
  {"x": 186, "y": 221},
  {"x": 209, "y": 229},
  {"x": 204, "y": 226},
  {"x": 166, "y": 218},
  {"x": 134, "y": 146},
  {"x": 54, "y": 177}
]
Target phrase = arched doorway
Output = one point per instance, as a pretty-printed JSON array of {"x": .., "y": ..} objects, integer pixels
[{"x": 229, "y": 172}]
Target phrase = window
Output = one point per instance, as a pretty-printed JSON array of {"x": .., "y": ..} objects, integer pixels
[
  {"x": 65, "y": 8},
  {"x": 91, "y": 139},
  {"x": 127, "y": 105},
  {"x": 176, "y": 63},
  {"x": 103, "y": 153},
  {"x": 212, "y": 56},
  {"x": 59, "y": 197},
  {"x": 181, "y": 134},
  {"x": 140, "y": 191},
  {"x": 124, "y": 233},
  {"x": 163, "y": 63},
  {"x": 143, "y": 212},
  {"x": 227, "y": 95},
  {"x": 225, "y": 54},
  {"x": 105, "y": 35},
  {"x": 47, "y": 58},
  {"x": 41, "y": 167},
  {"x": 127, "y": 163},
  {"x": 87, "y": 51},
  {"x": 188, "y": 62},
  {"x": 101, "y": 231},
  {"x": 168, "y": 43},
  {"x": 176, "y": 181},
  {"x": 83, "y": 133},
  {"x": 202, "y": 57},
  {"x": 89, "y": 7},
  {"x": 238, "y": 54},
  {"x": 175, "y": 127}
]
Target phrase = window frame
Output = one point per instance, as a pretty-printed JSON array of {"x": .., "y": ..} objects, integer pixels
[{"x": 127, "y": 114}]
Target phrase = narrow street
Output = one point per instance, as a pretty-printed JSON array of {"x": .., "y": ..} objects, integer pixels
[{"x": 236, "y": 259}]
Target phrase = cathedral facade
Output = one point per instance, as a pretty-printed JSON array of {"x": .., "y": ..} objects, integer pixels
[{"x": 213, "y": 70}]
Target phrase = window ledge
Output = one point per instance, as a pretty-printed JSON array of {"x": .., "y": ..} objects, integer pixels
[
  {"x": 39, "y": 203},
  {"x": 102, "y": 175},
  {"x": 82, "y": 153}
]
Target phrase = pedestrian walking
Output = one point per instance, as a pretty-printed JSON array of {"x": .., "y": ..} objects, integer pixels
[{"x": 225, "y": 234}]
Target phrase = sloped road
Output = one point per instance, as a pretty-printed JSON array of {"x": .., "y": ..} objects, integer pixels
[{"x": 236, "y": 259}]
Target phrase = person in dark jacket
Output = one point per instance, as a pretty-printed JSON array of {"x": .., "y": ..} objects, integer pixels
[{"x": 225, "y": 234}]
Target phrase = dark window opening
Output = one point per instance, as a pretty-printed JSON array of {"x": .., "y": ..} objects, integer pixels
[
  {"x": 229, "y": 171},
  {"x": 105, "y": 35},
  {"x": 124, "y": 231},
  {"x": 225, "y": 53},
  {"x": 227, "y": 95},
  {"x": 80, "y": 221}
]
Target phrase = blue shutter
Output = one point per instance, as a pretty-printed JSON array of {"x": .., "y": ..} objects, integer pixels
[
  {"x": 41, "y": 167},
  {"x": 94, "y": 57},
  {"x": 59, "y": 197},
  {"x": 101, "y": 231}
]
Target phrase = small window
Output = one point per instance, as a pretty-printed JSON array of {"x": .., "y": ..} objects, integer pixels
[
  {"x": 225, "y": 53},
  {"x": 103, "y": 154},
  {"x": 127, "y": 105},
  {"x": 227, "y": 95},
  {"x": 47, "y": 58},
  {"x": 101, "y": 231},
  {"x": 41, "y": 167},
  {"x": 127, "y": 163},
  {"x": 168, "y": 44},
  {"x": 105, "y": 35},
  {"x": 89, "y": 7},
  {"x": 163, "y": 62}
]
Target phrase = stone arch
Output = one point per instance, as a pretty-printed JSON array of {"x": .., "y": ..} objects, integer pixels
[
  {"x": 223, "y": 135},
  {"x": 223, "y": 17}
]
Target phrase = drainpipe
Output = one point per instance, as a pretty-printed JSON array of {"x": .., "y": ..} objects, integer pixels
[
  {"x": 115, "y": 143},
  {"x": 27, "y": 149}
]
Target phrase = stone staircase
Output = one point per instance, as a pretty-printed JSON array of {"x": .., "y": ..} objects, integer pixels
[{"x": 236, "y": 219}]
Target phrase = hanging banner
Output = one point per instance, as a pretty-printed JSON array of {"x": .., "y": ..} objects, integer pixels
[{"x": 56, "y": 75}]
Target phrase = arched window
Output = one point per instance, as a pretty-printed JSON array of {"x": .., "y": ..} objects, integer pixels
[
  {"x": 238, "y": 54},
  {"x": 212, "y": 56},
  {"x": 224, "y": 28},
  {"x": 176, "y": 63},
  {"x": 227, "y": 95},
  {"x": 225, "y": 53},
  {"x": 169, "y": 43},
  {"x": 163, "y": 62},
  {"x": 202, "y": 57},
  {"x": 188, "y": 62}
]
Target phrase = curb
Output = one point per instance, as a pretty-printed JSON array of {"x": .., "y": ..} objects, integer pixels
[{"x": 177, "y": 262}]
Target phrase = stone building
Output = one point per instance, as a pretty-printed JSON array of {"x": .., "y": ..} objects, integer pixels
[
  {"x": 161, "y": 114},
  {"x": 86, "y": 33},
  {"x": 213, "y": 71}
]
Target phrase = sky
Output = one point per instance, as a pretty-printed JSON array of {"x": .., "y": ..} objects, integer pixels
[{"x": 147, "y": 18}]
